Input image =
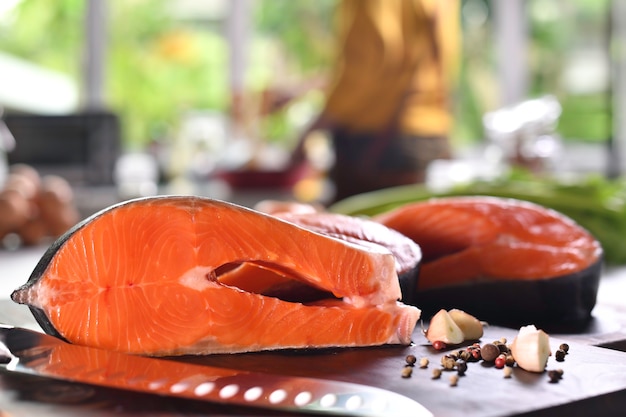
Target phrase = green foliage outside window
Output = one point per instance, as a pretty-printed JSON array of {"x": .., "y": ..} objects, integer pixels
[{"x": 158, "y": 67}]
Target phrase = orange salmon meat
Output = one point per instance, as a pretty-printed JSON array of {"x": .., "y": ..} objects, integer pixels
[
  {"x": 143, "y": 277},
  {"x": 478, "y": 239}
]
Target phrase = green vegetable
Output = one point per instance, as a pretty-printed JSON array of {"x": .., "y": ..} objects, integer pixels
[{"x": 596, "y": 203}]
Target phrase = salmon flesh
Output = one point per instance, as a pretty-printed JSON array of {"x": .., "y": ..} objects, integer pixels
[
  {"x": 143, "y": 277},
  {"x": 477, "y": 239}
]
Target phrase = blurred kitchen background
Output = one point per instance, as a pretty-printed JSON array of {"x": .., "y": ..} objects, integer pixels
[{"x": 126, "y": 98}]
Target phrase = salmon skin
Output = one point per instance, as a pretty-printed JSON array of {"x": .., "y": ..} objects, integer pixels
[
  {"x": 504, "y": 260},
  {"x": 142, "y": 277}
]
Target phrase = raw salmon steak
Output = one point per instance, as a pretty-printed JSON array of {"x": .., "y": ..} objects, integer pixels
[
  {"x": 143, "y": 277},
  {"x": 478, "y": 238},
  {"x": 503, "y": 260}
]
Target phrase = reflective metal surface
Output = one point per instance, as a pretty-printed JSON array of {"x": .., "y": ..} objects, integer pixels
[{"x": 28, "y": 352}]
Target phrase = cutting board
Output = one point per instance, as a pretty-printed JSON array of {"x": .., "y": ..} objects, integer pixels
[{"x": 594, "y": 383}]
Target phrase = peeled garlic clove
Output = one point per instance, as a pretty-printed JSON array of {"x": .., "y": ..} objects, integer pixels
[
  {"x": 471, "y": 327},
  {"x": 531, "y": 349},
  {"x": 442, "y": 328}
]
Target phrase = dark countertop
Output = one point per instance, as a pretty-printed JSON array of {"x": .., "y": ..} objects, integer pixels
[{"x": 594, "y": 381}]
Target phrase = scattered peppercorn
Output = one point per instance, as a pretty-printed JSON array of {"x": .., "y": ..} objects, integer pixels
[
  {"x": 497, "y": 352},
  {"x": 474, "y": 351},
  {"x": 510, "y": 360},
  {"x": 465, "y": 355},
  {"x": 410, "y": 360},
  {"x": 500, "y": 361},
  {"x": 461, "y": 367},
  {"x": 439, "y": 345},
  {"x": 503, "y": 348},
  {"x": 424, "y": 362},
  {"x": 555, "y": 375},
  {"x": 448, "y": 362},
  {"x": 489, "y": 352}
]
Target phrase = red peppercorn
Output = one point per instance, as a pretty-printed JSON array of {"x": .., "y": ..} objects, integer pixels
[
  {"x": 439, "y": 345},
  {"x": 476, "y": 355},
  {"x": 500, "y": 361}
]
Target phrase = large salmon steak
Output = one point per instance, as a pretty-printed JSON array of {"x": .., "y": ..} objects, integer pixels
[
  {"x": 504, "y": 260},
  {"x": 145, "y": 277}
]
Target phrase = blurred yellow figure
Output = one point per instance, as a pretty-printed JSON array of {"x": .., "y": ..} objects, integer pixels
[{"x": 387, "y": 104}]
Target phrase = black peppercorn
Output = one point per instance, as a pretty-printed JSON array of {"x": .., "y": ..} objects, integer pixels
[
  {"x": 410, "y": 360},
  {"x": 461, "y": 366},
  {"x": 555, "y": 375}
]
